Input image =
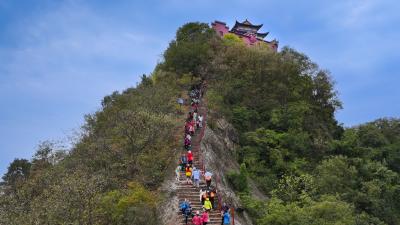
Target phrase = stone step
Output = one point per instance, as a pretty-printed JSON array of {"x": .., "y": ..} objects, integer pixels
[
  {"x": 209, "y": 223},
  {"x": 213, "y": 212},
  {"x": 212, "y": 219},
  {"x": 193, "y": 190},
  {"x": 184, "y": 183}
]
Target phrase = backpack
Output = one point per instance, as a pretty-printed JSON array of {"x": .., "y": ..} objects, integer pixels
[
  {"x": 184, "y": 206},
  {"x": 184, "y": 159},
  {"x": 188, "y": 211},
  {"x": 227, "y": 218},
  {"x": 188, "y": 171}
]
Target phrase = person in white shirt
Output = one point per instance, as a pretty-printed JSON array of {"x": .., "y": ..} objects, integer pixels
[{"x": 200, "y": 118}]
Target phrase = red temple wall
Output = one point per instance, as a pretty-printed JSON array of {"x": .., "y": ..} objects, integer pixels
[{"x": 220, "y": 28}]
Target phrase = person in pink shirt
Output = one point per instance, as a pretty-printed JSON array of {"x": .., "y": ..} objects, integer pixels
[
  {"x": 204, "y": 217},
  {"x": 187, "y": 143},
  {"x": 191, "y": 129},
  {"x": 197, "y": 219}
]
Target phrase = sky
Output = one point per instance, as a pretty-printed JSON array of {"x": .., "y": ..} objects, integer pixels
[{"x": 58, "y": 59}]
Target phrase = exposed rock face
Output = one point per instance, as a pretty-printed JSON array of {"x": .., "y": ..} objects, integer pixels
[
  {"x": 218, "y": 148},
  {"x": 168, "y": 209}
]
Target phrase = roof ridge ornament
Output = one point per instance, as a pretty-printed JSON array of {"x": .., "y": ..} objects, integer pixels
[{"x": 247, "y": 22}]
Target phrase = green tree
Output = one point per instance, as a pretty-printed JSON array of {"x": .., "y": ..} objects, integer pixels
[
  {"x": 191, "y": 50},
  {"x": 329, "y": 210},
  {"x": 336, "y": 175},
  {"x": 134, "y": 205},
  {"x": 239, "y": 180},
  {"x": 293, "y": 188},
  {"x": 17, "y": 173}
]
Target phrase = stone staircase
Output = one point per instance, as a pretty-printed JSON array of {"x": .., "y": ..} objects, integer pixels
[{"x": 189, "y": 191}]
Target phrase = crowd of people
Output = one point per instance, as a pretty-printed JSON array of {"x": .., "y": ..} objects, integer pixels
[
  {"x": 203, "y": 219},
  {"x": 194, "y": 175}
]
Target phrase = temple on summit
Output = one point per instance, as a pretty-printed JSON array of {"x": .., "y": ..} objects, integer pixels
[{"x": 246, "y": 31}]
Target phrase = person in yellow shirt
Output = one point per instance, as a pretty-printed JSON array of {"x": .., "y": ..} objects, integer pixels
[
  {"x": 207, "y": 205},
  {"x": 188, "y": 173}
]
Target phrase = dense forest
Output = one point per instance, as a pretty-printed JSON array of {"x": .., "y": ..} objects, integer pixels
[{"x": 313, "y": 170}]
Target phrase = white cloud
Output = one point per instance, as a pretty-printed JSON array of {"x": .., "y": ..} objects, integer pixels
[{"x": 358, "y": 12}]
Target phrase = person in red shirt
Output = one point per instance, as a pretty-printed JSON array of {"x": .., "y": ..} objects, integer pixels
[{"x": 190, "y": 157}]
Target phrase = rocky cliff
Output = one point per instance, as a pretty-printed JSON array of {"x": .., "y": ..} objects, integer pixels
[{"x": 218, "y": 145}]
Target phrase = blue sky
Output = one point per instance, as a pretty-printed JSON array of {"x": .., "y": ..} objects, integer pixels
[{"x": 59, "y": 58}]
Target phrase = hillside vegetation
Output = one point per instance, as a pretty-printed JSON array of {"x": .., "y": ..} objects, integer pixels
[
  {"x": 112, "y": 173},
  {"x": 283, "y": 106}
]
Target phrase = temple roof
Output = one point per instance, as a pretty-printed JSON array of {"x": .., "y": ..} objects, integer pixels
[
  {"x": 246, "y": 23},
  {"x": 263, "y": 35},
  {"x": 245, "y": 33},
  {"x": 220, "y": 22}
]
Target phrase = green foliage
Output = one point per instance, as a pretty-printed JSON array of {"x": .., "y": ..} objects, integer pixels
[
  {"x": 374, "y": 154},
  {"x": 231, "y": 39},
  {"x": 243, "y": 118},
  {"x": 17, "y": 173},
  {"x": 365, "y": 219},
  {"x": 283, "y": 92},
  {"x": 328, "y": 210},
  {"x": 283, "y": 107},
  {"x": 134, "y": 205},
  {"x": 378, "y": 192},
  {"x": 336, "y": 175},
  {"x": 186, "y": 81},
  {"x": 190, "y": 51},
  {"x": 371, "y": 136},
  {"x": 194, "y": 31},
  {"x": 265, "y": 156},
  {"x": 214, "y": 100},
  {"x": 294, "y": 188},
  {"x": 254, "y": 207},
  {"x": 239, "y": 180},
  {"x": 129, "y": 139},
  {"x": 73, "y": 200}
]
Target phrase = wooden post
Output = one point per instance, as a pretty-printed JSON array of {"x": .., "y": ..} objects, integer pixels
[{"x": 233, "y": 215}]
